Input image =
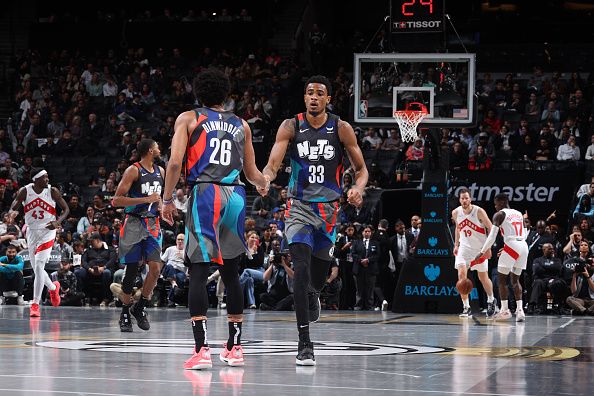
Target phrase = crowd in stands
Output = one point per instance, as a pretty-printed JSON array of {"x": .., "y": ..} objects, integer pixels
[{"x": 80, "y": 116}]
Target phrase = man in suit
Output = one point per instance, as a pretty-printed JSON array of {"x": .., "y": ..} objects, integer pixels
[
  {"x": 343, "y": 252},
  {"x": 415, "y": 226},
  {"x": 385, "y": 282},
  {"x": 365, "y": 268},
  {"x": 400, "y": 248}
]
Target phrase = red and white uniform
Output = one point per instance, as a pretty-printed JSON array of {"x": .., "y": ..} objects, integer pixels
[
  {"x": 39, "y": 209},
  {"x": 472, "y": 237},
  {"x": 515, "y": 248}
]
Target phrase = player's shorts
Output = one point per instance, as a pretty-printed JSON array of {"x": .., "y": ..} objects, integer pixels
[
  {"x": 314, "y": 224},
  {"x": 215, "y": 223},
  {"x": 39, "y": 244},
  {"x": 140, "y": 238},
  {"x": 514, "y": 257},
  {"x": 466, "y": 257}
]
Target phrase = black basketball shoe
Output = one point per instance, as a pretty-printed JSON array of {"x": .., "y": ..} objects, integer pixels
[
  {"x": 141, "y": 317},
  {"x": 125, "y": 323},
  {"x": 305, "y": 354}
]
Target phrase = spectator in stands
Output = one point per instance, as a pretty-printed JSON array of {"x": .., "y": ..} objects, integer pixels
[
  {"x": 590, "y": 151},
  {"x": 62, "y": 247},
  {"x": 85, "y": 222},
  {"x": 492, "y": 121},
  {"x": 279, "y": 275},
  {"x": 482, "y": 139},
  {"x": 174, "y": 270},
  {"x": 547, "y": 278},
  {"x": 98, "y": 262},
  {"x": 526, "y": 149},
  {"x": 5, "y": 199},
  {"x": 392, "y": 142},
  {"x": 458, "y": 157},
  {"x": 55, "y": 126},
  {"x": 415, "y": 151},
  {"x": 582, "y": 287},
  {"x": 3, "y": 154},
  {"x": 253, "y": 273},
  {"x": 551, "y": 113},
  {"x": 543, "y": 151},
  {"x": 371, "y": 141},
  {"x": 504, "y": 143},
  {"x": 586, "y": 229},
  {"x": 572, "y": 248},
  {"x": 11, "y": 275},
  {"x": 569, "y": 151},
  {"x": 66, "y": 146},
  {"x": 479, "y": 161},
  {"x": 584, "y": 208},
  {"x": 8, "y": 170},
  {"x": 69, "y": 293},
  {"x": 262, "y": 210}
]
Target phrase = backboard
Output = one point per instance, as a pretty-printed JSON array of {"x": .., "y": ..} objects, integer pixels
[{"x": 445, "y": 83}]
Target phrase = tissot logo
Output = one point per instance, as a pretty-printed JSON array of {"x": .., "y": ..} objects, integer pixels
[
  {"x": 416, "y": 24},
  {"x": 314, "y": 153}
]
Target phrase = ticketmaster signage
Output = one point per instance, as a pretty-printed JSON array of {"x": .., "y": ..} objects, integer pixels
[{"x": 538, "y": 192}]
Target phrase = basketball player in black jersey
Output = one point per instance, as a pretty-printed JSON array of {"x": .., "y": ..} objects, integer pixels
[
  {"x": 217, "y": 146},
  {"x": 139, "y": 192},
  {"x": 317, "y": 142}
]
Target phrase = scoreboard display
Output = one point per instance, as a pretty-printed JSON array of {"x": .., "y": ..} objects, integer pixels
[{"x": 417, "y": 16}]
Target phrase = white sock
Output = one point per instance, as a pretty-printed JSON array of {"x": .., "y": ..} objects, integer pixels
[
  {"x": 466, "y": 303},
  {"x": 519, "y": 305},
  {"x": 490, "y": 298},
  {"x": 504, "y": 305}
]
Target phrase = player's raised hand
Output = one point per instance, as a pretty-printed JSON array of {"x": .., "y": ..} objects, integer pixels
[{"x": 355, "y": 197}]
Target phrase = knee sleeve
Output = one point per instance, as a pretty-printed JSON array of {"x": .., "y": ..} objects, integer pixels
[
  {"x": 129, "y": 277},
  {"x": 197, "y": 295},
  {"x": 230, "y": 275}
]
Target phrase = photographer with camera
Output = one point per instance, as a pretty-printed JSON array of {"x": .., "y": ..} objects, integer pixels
[
  {"x": 70, "y": 296},
  {"x": 279, "y": 275},
  {"x": 582, "y": 285}
]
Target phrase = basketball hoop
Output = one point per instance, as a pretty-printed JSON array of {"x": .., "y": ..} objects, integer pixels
[{"x": 409, "y": 119}]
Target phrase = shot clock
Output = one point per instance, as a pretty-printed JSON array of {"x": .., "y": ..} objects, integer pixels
[{"x": 417, "y": 16}]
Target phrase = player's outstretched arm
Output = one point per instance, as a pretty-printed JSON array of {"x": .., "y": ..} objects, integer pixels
[
  {"x": 277, "y": 154},
  {"x": 349, "y": 141},
  {"x": 498, "y": 219},
  {"x": 251, "y": 171},
  {"x": 185, "y": 121}
]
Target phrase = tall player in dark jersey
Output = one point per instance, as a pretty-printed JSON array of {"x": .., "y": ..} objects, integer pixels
[
  {"x": 139, "y": 192},
  {"x": 217, "y": 145},
  {"x": 317, "y": 142}
]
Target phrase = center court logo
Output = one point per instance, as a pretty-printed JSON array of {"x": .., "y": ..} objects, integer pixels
[
  {"x": 431, "y": 272},
  {"x": 250, "y": 347}
]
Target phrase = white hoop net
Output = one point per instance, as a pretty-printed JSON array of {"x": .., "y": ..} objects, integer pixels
[{"x": 408, "y": 120}]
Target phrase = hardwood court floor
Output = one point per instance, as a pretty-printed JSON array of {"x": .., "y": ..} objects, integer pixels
[{"x": 81, "y": 351}]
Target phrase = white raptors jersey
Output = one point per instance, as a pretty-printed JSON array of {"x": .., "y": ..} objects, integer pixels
[
  {"x": 40, "y": 209},
  {"x": 472, "y": 233},
  {"x": 512, "y": 227}
]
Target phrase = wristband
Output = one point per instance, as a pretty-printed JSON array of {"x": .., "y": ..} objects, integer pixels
[{"x": 167, "y": 201}]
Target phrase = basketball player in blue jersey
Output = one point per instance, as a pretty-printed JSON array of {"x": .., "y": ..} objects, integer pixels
[
  {"x": 139, "y": 192},
  {"x": 317, "y": 142},
  {"x": 218, "y": 146}
]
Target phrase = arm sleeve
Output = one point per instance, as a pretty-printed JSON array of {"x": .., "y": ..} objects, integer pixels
[{"x": 490, "y": 239}]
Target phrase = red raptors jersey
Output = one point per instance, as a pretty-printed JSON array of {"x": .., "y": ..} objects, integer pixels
[{"x": 40, "y": 209}]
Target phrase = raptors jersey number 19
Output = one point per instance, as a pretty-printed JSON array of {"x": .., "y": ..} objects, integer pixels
[{"x": 472, "y": 232}]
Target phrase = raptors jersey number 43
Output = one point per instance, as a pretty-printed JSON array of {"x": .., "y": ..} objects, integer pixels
[{"x": 40, "y": 209}]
